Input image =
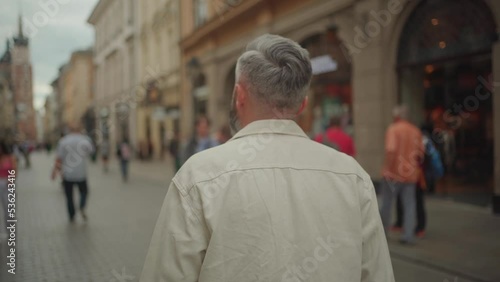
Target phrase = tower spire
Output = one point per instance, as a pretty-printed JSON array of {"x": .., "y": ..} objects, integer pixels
[
  {"x": 20, "y": 27},
  {"x": 20, "y": 39},
  {"x": 20, "y": 20}
]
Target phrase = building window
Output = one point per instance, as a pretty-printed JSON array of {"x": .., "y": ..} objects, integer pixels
[{"x": 200, "y": 12}]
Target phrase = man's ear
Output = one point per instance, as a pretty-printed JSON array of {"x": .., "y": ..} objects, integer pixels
[
  {"x": 303, "y": 105},
  {"x": 241, "y": 96}
]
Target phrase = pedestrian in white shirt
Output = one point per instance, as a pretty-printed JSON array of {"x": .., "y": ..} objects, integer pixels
[
  {"x": 73, "y": 150},
  {"x": 270, "y": 204}
]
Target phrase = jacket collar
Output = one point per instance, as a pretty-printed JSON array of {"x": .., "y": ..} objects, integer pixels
[{"x": 271, "y": 126}]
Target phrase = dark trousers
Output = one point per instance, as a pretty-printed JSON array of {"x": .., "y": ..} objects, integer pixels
[
  {"x": 124, "y": 169},
  {"x": 421, "y": 215},
  {"x": 68, "y": 190}
]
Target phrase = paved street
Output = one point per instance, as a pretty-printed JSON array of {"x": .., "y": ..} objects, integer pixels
[
  {"x": 112, "y": 245},
  {"x": 113, "y": 242},
  {"x": 461, "y": 240}
]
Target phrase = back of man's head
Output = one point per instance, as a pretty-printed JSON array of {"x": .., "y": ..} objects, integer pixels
[
  {"x": 400, "y": 112},
  {"x": 276, "y": 71},
  {"x": 75, "y": 127}
]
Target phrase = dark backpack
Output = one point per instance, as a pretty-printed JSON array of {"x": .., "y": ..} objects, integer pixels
[{"x": 434, "y": 160}]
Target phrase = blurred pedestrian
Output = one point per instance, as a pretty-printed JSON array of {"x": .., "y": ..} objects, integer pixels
[
  {"x": 404, "y": 152},
  {"x": 104, "y": 150},
  {"x": 48, "y": 147},
  {"x": 7, "y": 166},
  {"x": 173, "y": 148},
  {"x": 150, "y": 150},
  {"x": 26, "y": 152},
  {"x": 142, "y": 150},
  {"x": 124, "y": 152},
  {"x": 430, "y": 170},
  {"x": 336, "y": 138},
  {"x": 224, "y": 134},
  {"x": 17, "y": 152},
  {"x": 202, "y": 140},
  {"x": 261, "y": 205},
  {"x": 73, "y": 151},
  {"x": 94, "y": 155}
]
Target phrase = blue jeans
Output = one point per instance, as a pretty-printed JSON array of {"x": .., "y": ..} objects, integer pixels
[
  {"x": 124, "y": 169},
  {"x": 68, "y": 190},
  {"x": 390, "y": 191}
]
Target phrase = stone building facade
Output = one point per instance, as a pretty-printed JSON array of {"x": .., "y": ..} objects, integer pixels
[
  {"x": 440, "y": 57},
  {"x": 158, "y": 112},
  {"x": 116, "y": 70},
  {"x": 77, "y": 86}
]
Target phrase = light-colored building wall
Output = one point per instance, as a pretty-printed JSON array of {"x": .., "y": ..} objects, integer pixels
[
  {"x": 57, "y": 105},
  {"x": 51, "y": 120},
  {"x": 159, "y": 73},
  {"x": 77, "y": 90},
  {"x": 116, "y": 62},
  {"x": 39, "y": 123},
  {"x": 66, "y": 88},
  {"x": 84, "y": 73}
]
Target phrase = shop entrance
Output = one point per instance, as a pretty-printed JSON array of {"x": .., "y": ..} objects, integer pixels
[{"x": 445, "y": 78}]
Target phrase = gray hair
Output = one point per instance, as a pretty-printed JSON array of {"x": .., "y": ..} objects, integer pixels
[
  {"x": 275, "y": 70},
  {"x": 400, "y": 111}
]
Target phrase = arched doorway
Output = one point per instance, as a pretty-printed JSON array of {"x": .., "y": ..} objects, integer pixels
[
  {"x": 330, "y": 93},
  {"x": 444, "y": 67}
]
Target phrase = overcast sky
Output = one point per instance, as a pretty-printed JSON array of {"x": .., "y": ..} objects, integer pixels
[{"x": 52, "y": 41}]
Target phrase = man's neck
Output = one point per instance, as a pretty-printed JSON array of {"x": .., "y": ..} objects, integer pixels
[{"x": 272, "y": 114}]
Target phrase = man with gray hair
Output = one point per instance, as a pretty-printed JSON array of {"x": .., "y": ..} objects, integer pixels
[{"x": 270, "y": 204}]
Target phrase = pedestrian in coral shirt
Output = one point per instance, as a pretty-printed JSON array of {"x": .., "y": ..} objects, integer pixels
[{"x": 404, "y": 152}]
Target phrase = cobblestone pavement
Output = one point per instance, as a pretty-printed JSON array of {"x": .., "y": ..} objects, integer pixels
[
  {"x": 112, "y": 245},
  {"x": 461, "y": 240}
]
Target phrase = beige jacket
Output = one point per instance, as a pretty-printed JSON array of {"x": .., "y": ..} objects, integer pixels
[{"x": 269, "y": 205}]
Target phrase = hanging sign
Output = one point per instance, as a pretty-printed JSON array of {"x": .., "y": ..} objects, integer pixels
[{"x": 323, "y": 64}]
